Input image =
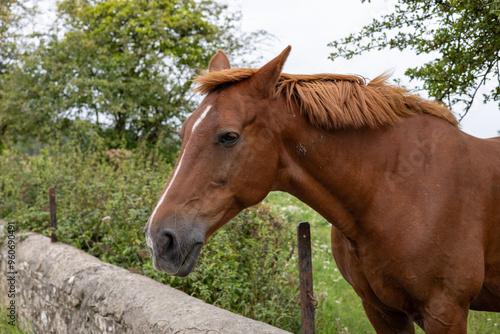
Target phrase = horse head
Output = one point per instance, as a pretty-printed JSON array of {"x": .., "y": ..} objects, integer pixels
[{"x": 228, "y": 161}]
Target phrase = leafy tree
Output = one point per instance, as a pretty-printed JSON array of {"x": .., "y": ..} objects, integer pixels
[
  {"x": 8, "y": 21},
  {"x": 465, "y": 33},
  {"x": 125, "y": 66},
  {"x": 13, "y": 16}
]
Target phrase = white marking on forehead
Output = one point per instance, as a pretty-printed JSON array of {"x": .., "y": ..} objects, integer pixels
[{"x": 198, "y": 121}]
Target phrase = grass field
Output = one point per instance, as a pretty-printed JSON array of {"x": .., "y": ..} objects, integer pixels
[
  {"x": 5, "y": 327},
  {"x": 340, "y": 309}
]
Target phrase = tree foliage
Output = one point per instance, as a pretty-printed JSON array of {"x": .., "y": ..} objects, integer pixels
[
  {"x": 464, "y": 35},
  {"x": 8, "y": 23},
  {"x": 123, "y": 67},
  {"x": 13, "y": 14}
]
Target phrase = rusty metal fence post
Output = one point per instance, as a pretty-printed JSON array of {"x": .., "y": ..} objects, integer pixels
[
  {"x": 307, "y": 301},
  {"x": 53, "y": 217}
]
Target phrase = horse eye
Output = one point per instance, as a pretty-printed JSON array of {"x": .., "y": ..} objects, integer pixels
[{"x": 228, "y": 138}]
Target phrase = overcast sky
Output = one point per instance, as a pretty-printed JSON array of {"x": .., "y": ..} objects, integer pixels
[{"x": 309, "y": 25}]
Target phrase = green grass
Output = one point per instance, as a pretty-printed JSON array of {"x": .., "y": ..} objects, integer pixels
[
  {"x": 340, "y": 309},
  {"x": 5, "y": 327}
]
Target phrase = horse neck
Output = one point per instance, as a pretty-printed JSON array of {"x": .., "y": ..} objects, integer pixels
[{"x": 334, "y": 172}]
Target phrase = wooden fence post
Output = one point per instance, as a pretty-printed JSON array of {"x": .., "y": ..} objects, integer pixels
[{"x": 307, "y": 301}]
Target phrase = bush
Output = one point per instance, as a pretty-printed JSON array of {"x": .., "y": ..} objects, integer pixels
[
  {"x": 103, "y": 202},
  {"x": 247, "y": 268}
]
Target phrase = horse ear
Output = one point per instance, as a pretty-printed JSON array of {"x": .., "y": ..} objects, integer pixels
[
  {"x": 265, "y": 79},
  {"x": 219, "y": 62}
]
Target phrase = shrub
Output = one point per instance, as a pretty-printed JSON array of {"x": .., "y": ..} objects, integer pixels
[
  {"x": 247, "y": 267},
  {"x": 102, "y": 207}
]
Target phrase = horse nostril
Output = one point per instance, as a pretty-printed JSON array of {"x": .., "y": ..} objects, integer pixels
[{"x": 166, "y": 240}]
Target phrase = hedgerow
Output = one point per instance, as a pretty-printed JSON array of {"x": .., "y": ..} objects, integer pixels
[{"x": 103, "y": 202}]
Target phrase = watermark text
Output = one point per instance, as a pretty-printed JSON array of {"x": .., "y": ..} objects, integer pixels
[{"x": 11, "y": 274}]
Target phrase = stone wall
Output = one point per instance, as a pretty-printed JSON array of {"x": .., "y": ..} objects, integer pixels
[{"x": 60, "y": 289}]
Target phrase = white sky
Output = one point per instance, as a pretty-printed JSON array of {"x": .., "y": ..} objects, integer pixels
[{"x": 308, "y": 26}]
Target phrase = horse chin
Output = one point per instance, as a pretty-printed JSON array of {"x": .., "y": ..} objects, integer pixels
[
  {"x": 190, "y": 261},
  {"x": 182, "y": 270}
]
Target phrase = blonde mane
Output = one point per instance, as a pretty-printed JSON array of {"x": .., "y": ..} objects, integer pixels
[{"x": 333, "y": 101}]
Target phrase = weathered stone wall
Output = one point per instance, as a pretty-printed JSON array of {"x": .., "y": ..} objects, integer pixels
[{"x": 60, "y": 289}]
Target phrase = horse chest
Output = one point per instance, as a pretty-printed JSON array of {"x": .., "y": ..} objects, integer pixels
[{"x": 374, "y": 282}]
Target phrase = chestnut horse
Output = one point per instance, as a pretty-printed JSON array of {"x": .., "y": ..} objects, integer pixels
[{"x": 413, "y": 201}]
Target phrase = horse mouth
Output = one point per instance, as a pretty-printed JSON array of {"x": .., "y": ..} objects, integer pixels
[{"x": 188, "y": 263}]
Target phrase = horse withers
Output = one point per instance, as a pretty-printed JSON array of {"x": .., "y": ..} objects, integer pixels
[{"x": 413, "y": 201}]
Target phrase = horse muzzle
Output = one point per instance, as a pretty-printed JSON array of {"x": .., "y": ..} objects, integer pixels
[{"x": 174, "y": 255}]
